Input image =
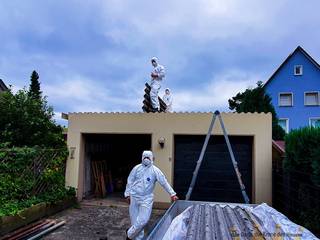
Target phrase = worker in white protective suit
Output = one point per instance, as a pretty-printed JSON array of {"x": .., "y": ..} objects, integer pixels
[
  {"x": 167, "y": 98},
  {"x": 139, "y": 193},
  {"x": 157, "y": 75}
]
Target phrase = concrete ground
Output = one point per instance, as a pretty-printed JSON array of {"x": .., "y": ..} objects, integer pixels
[{"x": 97, "y": 219}]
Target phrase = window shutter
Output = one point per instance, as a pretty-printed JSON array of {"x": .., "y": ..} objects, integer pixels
[
  {"x": 311, "y": 99},
  {"x": 286, "y": 100}
]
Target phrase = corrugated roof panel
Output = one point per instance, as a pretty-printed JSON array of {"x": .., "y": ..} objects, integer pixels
[{"x": 216, "y": 221}]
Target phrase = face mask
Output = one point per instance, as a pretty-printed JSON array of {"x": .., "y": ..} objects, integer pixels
[{"x": 146, "y": 161}]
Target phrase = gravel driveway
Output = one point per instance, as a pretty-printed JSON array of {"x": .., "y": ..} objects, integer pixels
[{"x": 97, "y": 219}]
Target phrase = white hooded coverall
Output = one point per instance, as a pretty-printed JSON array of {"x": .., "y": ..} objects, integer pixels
[
  {"x": 167, "y": 98},
  {"x": 140, "y": 186},
  {"x": 156, "y": 83}
]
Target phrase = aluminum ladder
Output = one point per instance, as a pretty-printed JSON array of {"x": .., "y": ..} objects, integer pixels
[{"x": 234, "y": 162}]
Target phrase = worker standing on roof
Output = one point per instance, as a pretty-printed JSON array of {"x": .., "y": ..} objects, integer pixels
[
  {"x": 139, "y": 193},
  {"x": 167, "y": 98},
  {"x": 157, "y": 75}
]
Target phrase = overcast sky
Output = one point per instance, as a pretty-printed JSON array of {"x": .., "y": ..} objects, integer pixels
[{"x": 95, "y": 55}]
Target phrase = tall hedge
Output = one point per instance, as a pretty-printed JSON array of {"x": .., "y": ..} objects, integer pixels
[{"x": 303, "y": 152}]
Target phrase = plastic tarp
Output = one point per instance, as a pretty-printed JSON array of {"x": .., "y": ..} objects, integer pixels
[
  {"x": 273, "y": 224},
  {"x": 179, "y": 226}
]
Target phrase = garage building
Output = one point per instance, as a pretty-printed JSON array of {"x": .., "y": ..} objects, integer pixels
[{"x": 116, "y": 141}]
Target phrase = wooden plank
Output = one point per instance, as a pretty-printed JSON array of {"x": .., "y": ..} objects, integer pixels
[
  {"x": 96, "y": 178},
  {"x": 102, "y": 179},
  {"x": 23, "y": 230},
  {"x": 103, "y": 186}
]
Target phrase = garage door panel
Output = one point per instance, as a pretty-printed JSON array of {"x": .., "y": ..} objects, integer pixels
[
  {"x": 219, "y": 196},
  {"x": 216, "y": 180},
  {"x": 216, "y": 172},
  {"x": 217, "y": 165},
  {"x": 212, "y": 185},
  {"x": 184, "y": 174}
]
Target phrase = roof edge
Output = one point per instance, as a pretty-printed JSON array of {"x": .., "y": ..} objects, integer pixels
[
  {"x": 278, "y": 147},
  {"x": 180, "y": 113},
  {"x": 304, "y": 52},
  {"x": 3, "y": 86}
]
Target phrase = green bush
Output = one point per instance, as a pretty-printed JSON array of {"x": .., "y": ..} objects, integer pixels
[
  {"x": 303, "y": 152},
  {"x": 23, "y": 169},
  {"x": 32, "y": 151}
]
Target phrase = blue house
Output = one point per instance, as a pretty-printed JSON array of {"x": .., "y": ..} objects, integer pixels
[{"x": 295, "y": 91}]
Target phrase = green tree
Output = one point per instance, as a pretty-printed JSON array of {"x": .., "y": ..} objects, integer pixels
[
  {"x": 34, "y": 88},
  {"x": 256, "y": 100},
  {"x": 26, "y": 121}
]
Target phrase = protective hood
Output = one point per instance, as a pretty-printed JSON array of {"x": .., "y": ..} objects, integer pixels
[
  {"x": 147, "y": 158},
  {"x": 154, "y": 59}
]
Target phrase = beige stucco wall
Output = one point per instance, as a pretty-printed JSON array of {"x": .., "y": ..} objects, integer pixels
[{"x": 167, "y": 125}]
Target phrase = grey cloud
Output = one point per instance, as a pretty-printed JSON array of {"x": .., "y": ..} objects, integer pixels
[{"x": 107, "y": 45}]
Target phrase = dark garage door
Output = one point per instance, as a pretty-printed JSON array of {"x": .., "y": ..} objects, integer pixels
[{"x": 216, "y": 179}]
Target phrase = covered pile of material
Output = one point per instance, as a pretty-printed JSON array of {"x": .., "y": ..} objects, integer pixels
[{"x": 223, "y": 221}]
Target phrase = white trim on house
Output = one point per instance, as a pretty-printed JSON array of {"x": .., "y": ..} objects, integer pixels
[
  {"x": 313, "y": 118},
  {"x": 301, "y": 70},
  {"x": 279, "y": 94},
  {"x": 317, "y": 104},
  {"x": 287, "y": 124}
]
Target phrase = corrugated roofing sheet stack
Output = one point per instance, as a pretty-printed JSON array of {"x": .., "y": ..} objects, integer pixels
[
  {"x": 147, "y": 107},
  {"x": 205, "y": 220},
  {"x": 222, "y": 222}
]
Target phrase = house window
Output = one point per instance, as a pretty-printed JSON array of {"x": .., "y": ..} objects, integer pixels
[
  {"x": 298, "y": 70},
  {"x": 284, "y": 123},
  {"x": 314, "y": 122},
  {"x": 311, "y": 98},
  {"x": 285, "y": 99}
]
